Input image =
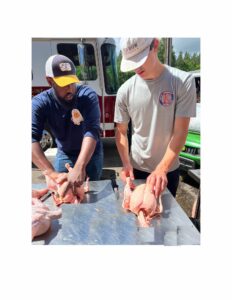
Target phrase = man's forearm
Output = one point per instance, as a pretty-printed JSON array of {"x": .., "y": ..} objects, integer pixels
[
  {"x": 173, "y": 150},
  {"x": 39, "y": 159},
  {"x": 87, "y": 149},
  {"x": 122, "y": 146},
  {"x": 176, "y": 143}
]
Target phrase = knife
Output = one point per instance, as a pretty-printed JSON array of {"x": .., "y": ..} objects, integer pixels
[
  {"x": 46, "y": 196},
  {"x": 115, "y": 188}
]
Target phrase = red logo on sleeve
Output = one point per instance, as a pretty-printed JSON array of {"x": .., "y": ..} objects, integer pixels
[{"x": 166, "y": 98}]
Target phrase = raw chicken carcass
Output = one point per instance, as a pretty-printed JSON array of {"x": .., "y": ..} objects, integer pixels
[
  {"x": 41, "y": 214},
  {"x": 69, "y": 196},
  {"x": 141, "y": 201}
]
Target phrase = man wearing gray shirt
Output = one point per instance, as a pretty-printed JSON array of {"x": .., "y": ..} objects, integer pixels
[{"x": 159, "y": 100}]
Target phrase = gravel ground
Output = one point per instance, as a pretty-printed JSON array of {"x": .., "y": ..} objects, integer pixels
[{"x": 187, "y": 194}]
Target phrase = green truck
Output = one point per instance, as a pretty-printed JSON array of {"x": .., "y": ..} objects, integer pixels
[{"x": 190, "y": 155}]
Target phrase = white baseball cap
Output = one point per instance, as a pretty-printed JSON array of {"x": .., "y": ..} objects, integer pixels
[
  {"x": 134, "y": 52},
  {"x": 61, "y": 69}
]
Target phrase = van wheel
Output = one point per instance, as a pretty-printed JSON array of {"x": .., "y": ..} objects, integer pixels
[{"x": 47, "y": 140}]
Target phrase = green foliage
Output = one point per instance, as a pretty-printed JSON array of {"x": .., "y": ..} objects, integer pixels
[
  {"x": 122, "y": 77},
  {"x": 187, "y": 62},
  {"x": 161, "y": 51}
]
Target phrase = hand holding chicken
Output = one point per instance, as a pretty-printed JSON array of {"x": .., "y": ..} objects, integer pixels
[{"x": 141, "y": 201}]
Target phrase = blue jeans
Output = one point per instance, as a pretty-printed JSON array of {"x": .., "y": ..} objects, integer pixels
[{"x": 93, "y": 168}]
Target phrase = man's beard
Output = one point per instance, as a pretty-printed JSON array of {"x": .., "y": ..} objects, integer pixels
[
  {"x": 65, "y": 100},
  {"x": 67, "y": 104}
]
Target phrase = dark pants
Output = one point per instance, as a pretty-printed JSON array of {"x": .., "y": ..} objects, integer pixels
[
  {"x": 93, "y": 168},
  {"x": 173, "y": 179}
]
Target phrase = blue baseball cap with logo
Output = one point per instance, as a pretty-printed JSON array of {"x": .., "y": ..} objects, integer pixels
[{"x": 61, "y": 69}]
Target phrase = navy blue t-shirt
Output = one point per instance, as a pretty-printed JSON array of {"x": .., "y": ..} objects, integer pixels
[{"x": 46, "y": 107}]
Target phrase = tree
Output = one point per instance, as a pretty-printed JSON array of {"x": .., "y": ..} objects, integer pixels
[
  {"x": 180, "y": 64},
  {"x": 188, "y": 62},
  {"x": 173, "y": 58},
  {"x": 195, "y": 61},
  {"x": 161, "y": 51}
]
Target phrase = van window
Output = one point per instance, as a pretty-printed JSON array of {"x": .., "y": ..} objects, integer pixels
[
  {"x": 109, "y": 68},
  {"x": 83, "y": 58}
]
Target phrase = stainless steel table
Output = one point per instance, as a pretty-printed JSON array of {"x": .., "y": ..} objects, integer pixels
[{"x": 100, "y": 220}]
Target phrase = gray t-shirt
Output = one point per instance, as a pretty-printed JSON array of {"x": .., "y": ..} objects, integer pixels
[{"x": 152, "y": 106}]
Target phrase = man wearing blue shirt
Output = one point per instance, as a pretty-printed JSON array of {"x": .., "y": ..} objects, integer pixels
[{"x": 73, "y": 115}]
